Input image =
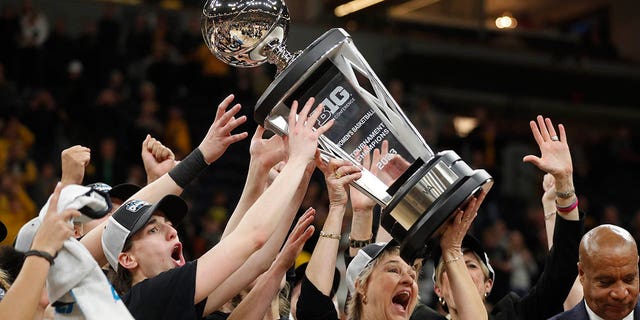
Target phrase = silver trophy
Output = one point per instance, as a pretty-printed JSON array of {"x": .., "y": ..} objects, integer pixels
[{"x": 417, "y": 189}]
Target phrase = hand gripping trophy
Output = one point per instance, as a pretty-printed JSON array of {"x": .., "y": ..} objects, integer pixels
[{"x": 419, "y": 190}]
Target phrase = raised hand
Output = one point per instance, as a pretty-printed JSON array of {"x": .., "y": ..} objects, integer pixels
[
  {"x": 451, "y": 240},
  {"x": 74, "y": 161},
  {"x": 296, "y": 240},
  {"x": 157, "y": 158},
  {"x": 395, "y": 167},
  {"x": 338, "y": 174},
  {"x": 55, "y": 227},
  {"x": 360, "y": 203},
  {"x": 302, "y": 139},
  {"x": 555, "y": 157},
  {"x": 268, "y": 152},
  {"x": 219, "y": 136}
]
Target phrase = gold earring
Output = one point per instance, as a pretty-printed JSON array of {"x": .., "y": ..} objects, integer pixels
[
  {"x": 364, "y": 299},
  {"x": 442, "y": 302}
]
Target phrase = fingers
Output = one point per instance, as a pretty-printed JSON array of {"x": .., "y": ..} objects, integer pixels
[
  {"x": 69, "y": 214},
  {"x": 551, "y": 129},
  {"x": 308, "y": 232},
  {"x": 347, "y": 173},
  {"x": 315, "y": 114},
  {"x": 536, "y": 133},
  {"x": 257, "y": 135},
  {"x": 544, "y": 131},
  {"x": 321, "y": 164},
  {"x": 303, "y": 222},
  {"x": 470, "y": 213},
  {"x": 236, "y": 137},
  {"x": 292, "y": 114},
  {"x": 302, "y": 117},
  {"x": 563, "y": 133},
  {"x": 480, "y": 200},
  {"x": 385, "y": 147},
  {"x": 228, "y": 118},
  {"x": 223, "y": 106},
  {"x": 532, "y": 159},
  {"x": 145, "y": 143},
  {"x": 308, "y": 213},
  {"x": 53, "y": 201},
  {"x": 542, "y": 128},
  {"x": 159, "y": 151}
]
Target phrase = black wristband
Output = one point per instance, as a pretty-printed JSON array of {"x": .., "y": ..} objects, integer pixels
[
  {"x": 41, "y": 254},
  {"x": 356, "y": 244},
  {"x": 189, "y": 168}
]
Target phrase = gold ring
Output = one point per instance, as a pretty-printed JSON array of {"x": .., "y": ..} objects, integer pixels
[{"x": 338, "y": 175}]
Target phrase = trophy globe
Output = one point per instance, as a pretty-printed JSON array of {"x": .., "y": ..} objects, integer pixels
[
  {"x": 417, "y": 190},
  {"x": 247, "y": 33}
]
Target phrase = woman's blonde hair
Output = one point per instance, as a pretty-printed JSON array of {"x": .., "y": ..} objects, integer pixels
[
  {"x": 355, "y": 304},
  {"x": 440, "y": 268}
]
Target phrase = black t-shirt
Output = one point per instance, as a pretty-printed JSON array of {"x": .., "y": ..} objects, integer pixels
[
  {"x": 313, "y": 304},
  {"x": 168, "y": 295}
]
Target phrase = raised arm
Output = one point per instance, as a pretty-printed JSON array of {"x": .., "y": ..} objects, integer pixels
[
  {"x": 262, "y": 218},
  {"x": 555, "y": 159},
  {"x": 258, "y": 301},
  {"x": 262, "y": 259},
  {"x": 21, "y": 300},
  {"x": 320, "y": 270},
  {"x": 74, "y": 160},
  {"x": 157, "y": 158},
  {"x": 546, "y": 296},
  {"x": 362, "y": 208},
  {"x": 265, "y": 153},
  {"x": 214, "y": 144},
  {"x": 463, "y": 289},
  {"x": 549, "y": 205}
]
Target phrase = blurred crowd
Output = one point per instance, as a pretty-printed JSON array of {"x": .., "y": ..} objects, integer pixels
[{"x": 119, "y": 80}]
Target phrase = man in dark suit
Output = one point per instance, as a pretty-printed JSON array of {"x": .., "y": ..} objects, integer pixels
[{"x": 608, "y": 271}]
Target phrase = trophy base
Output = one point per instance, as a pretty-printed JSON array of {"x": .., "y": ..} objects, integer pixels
[{"x": 426, "y": 200}]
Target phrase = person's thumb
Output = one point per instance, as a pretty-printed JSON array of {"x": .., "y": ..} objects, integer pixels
[{"x": 532, "y": 159}]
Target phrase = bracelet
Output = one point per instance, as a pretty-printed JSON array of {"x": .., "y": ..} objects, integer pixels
[
  {"x": 189, "y": 168},
  {"x": 568, "y": 208},
  {"x": 41, "y": 254},
  {"x": 356, "y": 244},
  {"x": 565, "y": 194},
  {"x": 549, "y": 215},
  {"x": 330, "y": 235},
  {"x": 453, "y": 260}
]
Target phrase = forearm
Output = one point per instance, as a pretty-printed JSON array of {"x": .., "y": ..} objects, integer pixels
[
  {"x": 254, "y": 186},
  {"x": 575, "y": 295},
  {"x": 549, "y": 207},
  {"x": 265, "y": 214},
  {"x": 463, "y": 289},
  {"x": 361, "y": 227},
  {"x": 252, "y": 232},
  {"x": 320, "y": 270},
  {"x": 21, "y": 301},
  {"x": 564, "y": 184},
  {"x": 258, "y": 302},
  {"x": 258, "y": 263}
]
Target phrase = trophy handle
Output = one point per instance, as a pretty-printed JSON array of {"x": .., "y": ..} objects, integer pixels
[{"x": 277, "y": 54}]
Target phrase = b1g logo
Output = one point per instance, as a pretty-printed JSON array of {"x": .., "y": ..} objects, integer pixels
[{"x": 337, "y": 98}]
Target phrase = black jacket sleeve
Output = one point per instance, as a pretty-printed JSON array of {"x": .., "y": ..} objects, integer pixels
[{"x": 545, "y": 299}]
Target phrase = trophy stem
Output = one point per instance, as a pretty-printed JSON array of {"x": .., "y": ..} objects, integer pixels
[{"x": 277, "y": 54}]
